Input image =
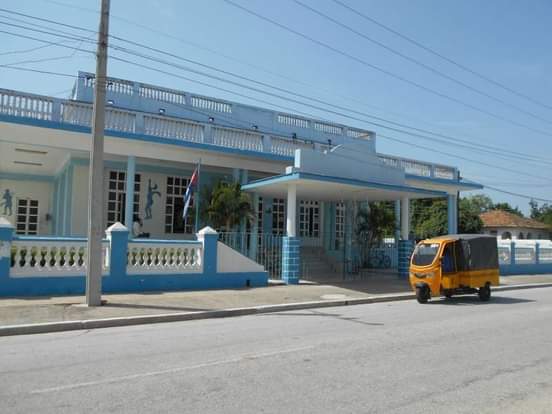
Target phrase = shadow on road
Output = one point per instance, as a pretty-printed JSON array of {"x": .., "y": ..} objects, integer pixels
[
  {"x": 474, "y": 300},
  {"x": 158, "y": 307}
]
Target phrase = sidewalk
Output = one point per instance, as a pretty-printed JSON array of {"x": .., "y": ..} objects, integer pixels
[{"x": 24, "y": 311}]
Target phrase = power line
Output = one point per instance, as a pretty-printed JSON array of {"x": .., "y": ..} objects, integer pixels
[
  {"x": 421, "y": 64},
  {"x": 545, "y": 200},
  {"x": 387, "y": 72},
  {"x": 494, "y": 150},
  {"x": 440, "y": 55}
]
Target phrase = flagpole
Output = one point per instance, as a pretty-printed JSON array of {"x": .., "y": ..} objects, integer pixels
[{"x": 198, "y": 194}]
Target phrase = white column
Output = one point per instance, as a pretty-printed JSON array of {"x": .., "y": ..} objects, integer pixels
[
  {"x": 129, "y": 193},
  {"x": 405, "y": 218},
  {"x": 452, "y": 214},
  {"x": 291, "y": 210}
]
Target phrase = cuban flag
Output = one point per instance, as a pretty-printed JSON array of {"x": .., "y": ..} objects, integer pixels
[{"x": 189, "y": 192}]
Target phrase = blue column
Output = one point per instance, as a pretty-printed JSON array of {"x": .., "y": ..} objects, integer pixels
[
  {"x": 452, "y": 214},
  {"x": 406, "y": 247},
  {"x": 129, "y": 197},
  {"x": 537, "y": 253},
  {"x": 6, "y": 236},
  {"x": 291, "y": 260},
  {"x": 512, "y": 252}
]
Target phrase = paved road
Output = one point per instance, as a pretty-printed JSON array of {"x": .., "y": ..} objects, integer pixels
[{"x": 458, "y": 356}]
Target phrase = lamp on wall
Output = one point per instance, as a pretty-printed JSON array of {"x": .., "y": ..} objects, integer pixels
[
  {"x": 255, "y": 127},
  {"x": 110, "y": 102},
  {"x": 211, "y": 119},
  {"x": 162, "y": 111},
  {"x": 294, "y": 136}
]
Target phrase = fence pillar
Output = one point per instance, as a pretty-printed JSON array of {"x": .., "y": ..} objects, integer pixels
[
  {"x": 452, "y": 214},
  {"x": 267, "y": 143},
  {"x": 6, "y": 237},
  {"x": 209, "y": 237},
  {"x": 291, "y": 259},
  {"x": 537, "y": 253},
  {"x": 513, "y": 253},
  {"x": 117, "y": 234},
  {"x": 406, "y": 247},
  {"x": 405, "y": 218}
]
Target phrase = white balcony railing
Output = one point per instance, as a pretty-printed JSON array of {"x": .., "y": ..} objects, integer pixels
[{"x": 79, "y": 113}]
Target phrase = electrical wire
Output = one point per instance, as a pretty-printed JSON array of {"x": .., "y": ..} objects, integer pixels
[
  {"x": 440, "y": 55},
  {"x": 387, "y": 72}
]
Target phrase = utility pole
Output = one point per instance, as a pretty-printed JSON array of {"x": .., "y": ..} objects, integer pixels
[{"x": 95, "y": 184}]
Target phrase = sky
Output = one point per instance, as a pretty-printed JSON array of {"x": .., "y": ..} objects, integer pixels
[{"x": 507, "y": 41}]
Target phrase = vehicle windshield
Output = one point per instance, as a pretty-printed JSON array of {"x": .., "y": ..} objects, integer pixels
[{"x": 425, "y": 253}]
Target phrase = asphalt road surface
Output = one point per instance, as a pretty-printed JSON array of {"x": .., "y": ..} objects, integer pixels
[{"x": 457, "y": 356}]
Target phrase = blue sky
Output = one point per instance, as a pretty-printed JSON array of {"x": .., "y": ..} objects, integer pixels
[{"x": 506, "y": 40}]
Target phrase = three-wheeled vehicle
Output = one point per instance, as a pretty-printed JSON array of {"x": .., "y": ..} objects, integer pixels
[{"x": 454, "y": 264}]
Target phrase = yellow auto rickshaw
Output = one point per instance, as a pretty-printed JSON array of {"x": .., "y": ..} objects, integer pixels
[{"x": 454, "y": 264}]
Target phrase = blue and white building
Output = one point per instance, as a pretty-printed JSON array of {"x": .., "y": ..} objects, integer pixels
[{"x": 307, "y": 176}]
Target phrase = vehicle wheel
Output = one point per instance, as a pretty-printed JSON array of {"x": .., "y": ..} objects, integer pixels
[
  {"x": 448, "y": 294},
  {"x": 485, "y": 293},
  {"x": 422, "y": 294}
]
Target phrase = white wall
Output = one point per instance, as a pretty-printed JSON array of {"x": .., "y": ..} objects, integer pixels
[
  {"x": 536, "y": 234},
  {"x": 36, "y": 190},
  {"x": 79, "y": 204}
]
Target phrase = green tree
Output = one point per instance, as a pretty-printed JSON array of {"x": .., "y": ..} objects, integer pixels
[
  {"x": 508, "y": 208},
  {"x": 375, "y": 222},
  {"x": 542, "y": 213},
  {"x": 468, "y": 216},
  {"x": 227, "y": 205}
]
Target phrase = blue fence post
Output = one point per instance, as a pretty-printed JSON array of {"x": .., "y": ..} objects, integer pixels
[
  {"x": 117, "y": 234},
  {"x": 6, "y": 237},
  {"x": 512, "y": 253},
  {"x": 209, "y": 238},
  {"x": 406, "y": 247},
  {"x": 537, "y": 253},
  {"x": 291, "y": 260}
]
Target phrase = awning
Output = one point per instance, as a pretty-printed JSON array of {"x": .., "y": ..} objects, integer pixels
[{"x": 327, "y": 188}]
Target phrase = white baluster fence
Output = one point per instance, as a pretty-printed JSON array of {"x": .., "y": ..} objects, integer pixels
[
  {"x": 164, "y": 257},
  {"x": 39, "y": 257}
]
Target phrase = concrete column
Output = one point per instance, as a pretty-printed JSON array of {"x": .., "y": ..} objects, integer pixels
[
  {"x": 118, "y": 235},
  {"x": 254, "y": 229},
  {"x": 6, "y": 236},
  {"x": 291, "y": 254},
  {"x": 452, "y": 214},
  {"x": 397, "y": 222},
  {"x": 209, "y": 238},
  {"x": 406, "y": 247},
  {"x": 348, "y": 240},
  {"x": 291, "y": 229},
  {"x": 129, "y": 197},
  {"x": 405, "y": 218}
]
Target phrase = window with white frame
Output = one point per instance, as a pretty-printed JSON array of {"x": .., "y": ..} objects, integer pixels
[
  {"x": 174, "y": 206},
  {"x": 309, "y": 219},
  {"x": 278, "y": 216},
  {"x": 27, "y": 216},
  {"x": 116, "y": 197}
]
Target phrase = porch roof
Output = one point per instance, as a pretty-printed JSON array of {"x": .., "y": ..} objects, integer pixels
[{"x": 328, "y": 188}]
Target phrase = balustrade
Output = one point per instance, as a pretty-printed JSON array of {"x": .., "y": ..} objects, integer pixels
[
  {"x": 164, "y": 257},
  {"x": 57, "y": 257}
]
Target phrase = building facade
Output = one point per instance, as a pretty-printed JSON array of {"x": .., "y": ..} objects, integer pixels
[
  {"x": 307, "y": 176},
  {"x": 509, "y": 226}
]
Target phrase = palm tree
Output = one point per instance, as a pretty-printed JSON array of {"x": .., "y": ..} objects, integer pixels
[{"x": 228, "y": 205}]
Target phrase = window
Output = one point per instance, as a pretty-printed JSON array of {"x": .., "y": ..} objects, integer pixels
[
  {"x": 278, "y": 216},
  {"x": 339, "y": 224},
  {"x": 27, "y": 216},
  {"x": 493, "y": 233},
  {"x": 116, "y": 197},
  {"x": 309, "y": 219},
  {"x": 506, "y": 235},
  {"x": 174, "y": 207}
]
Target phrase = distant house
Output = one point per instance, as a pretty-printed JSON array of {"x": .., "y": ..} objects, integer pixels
[{"x": 511, "y": 226}]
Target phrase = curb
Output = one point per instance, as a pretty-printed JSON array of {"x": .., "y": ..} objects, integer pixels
[{"x": 29, "y": 329}]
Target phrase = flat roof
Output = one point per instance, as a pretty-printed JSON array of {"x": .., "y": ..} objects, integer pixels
[{"x": 328, "y": 188}]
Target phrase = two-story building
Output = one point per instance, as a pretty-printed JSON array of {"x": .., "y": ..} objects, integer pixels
[{"x": 306, "y": 175}]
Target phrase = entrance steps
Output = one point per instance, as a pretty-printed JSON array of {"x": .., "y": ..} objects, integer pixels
[{"x": 317, "y": 266}]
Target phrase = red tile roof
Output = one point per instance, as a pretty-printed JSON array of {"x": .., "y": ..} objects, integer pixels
[{"x": 500, "y": 218}]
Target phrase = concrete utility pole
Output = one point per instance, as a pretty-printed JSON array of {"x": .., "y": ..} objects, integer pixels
[{"x": 95, "y": 185}]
